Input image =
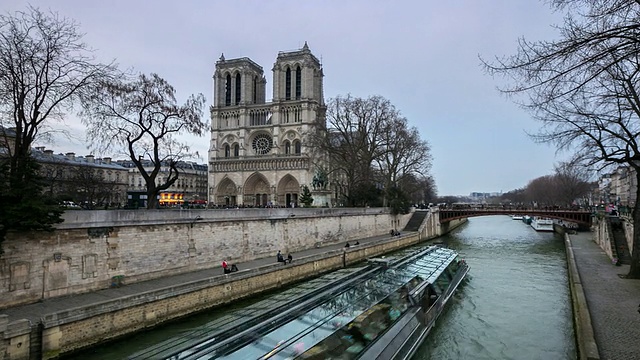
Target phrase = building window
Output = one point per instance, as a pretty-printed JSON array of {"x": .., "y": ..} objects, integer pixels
[
  {"x": 297, "y": 147},
  {"x": 236, "y": 150},
  {"x": 261, "y": 144},
  {"x": 227, "y": 151},
  {"x": 298, "y": 83},
  {"x": 255, "y": 90},
  {"x": 227, "y": 91},
  {"x": 287, "y": 94},
  {"x": 287, "y": 147},
  {"x": 238, "y": 88}
]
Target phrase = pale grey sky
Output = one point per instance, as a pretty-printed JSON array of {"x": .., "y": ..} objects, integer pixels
[{"x": 421, "y": 55}]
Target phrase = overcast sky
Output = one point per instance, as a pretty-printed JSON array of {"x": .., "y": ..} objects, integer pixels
[{"x": 421, "y": 55}]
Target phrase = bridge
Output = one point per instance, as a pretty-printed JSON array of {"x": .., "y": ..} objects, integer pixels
[{"x": 582, "y": 218}]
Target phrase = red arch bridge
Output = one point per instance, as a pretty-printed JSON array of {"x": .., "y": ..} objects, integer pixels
[{"x": 581, "y": 218}]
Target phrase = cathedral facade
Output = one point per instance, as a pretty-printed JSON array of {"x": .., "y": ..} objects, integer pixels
[{"x": 259, "y": 154}]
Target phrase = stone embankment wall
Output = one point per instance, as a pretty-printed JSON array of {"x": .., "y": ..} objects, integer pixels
[
  {"x": 91, "y": 248},
  {"x": 77, "y": 328}
]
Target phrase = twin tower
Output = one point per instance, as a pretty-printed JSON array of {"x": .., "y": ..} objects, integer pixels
[{"x": 259, "y": 155}]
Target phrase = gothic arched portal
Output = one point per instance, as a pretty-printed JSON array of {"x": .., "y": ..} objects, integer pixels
[
  {"x": 288, "y": 191},
  {"x": 227, "y": 193},
  {"x": 256, "y": 190}
]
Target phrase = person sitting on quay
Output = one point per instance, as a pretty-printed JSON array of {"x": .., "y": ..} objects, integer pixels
[
  {"x": 226, "y": 269},
  {"x": 347, "y": 245},
  {"x": 279, "y": 257},
  {"x": 289, "y": 258}
]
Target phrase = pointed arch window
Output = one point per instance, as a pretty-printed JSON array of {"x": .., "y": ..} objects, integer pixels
[
  {"x": 236, "y": 150},
  {"x": 297, "y": 147},
  {"x": 238, "y": 88},
  {"x": 227, "y": 91},
  {"x": 227, "y": 151},
  {"x": 298, "y": 83},
  {"x": 255, "y": 89},
  {"x": 287, "y": 81},
  {"x": 287, "y": 147}
]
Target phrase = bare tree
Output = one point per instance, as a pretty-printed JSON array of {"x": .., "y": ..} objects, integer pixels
[
  {"x": 583, "y": 87},
  {"x": 402, "y": 153},
  {"x": 352, "y": 141},
  {"x": 141, "y": 116},
  {"x": 572, "y": 183},
  {"x": 541, "y": 192},
  {"x": 90, "y": 188},
  {"x": 44, "y": 69}
]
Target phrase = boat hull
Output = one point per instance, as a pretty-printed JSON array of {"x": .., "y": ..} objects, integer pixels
[
  {"x": 542, "y": 224},
  {"x": 404, "y": 338}
]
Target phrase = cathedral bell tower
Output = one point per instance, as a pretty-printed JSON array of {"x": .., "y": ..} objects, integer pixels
[
  {"x": 297, "y": 75},
  {"x": 238, "y": 82}
]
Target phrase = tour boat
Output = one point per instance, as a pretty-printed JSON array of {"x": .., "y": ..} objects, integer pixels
[
  {"x": 381, "y": 311},
  {"x": 541, "y": 224}
]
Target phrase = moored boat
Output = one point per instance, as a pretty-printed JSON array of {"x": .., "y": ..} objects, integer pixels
[
  {"x": 516, "y": 217},
  {"x": 382, "y": 311},
  {"x": 542, "y": 224}
]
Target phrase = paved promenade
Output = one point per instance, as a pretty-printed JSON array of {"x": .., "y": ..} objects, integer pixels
[
  {"x": 613, "y": 301},
  {"x": 34, "y": 312}
]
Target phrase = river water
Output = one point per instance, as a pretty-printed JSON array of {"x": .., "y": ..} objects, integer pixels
[{"x": 515, "y": 303}]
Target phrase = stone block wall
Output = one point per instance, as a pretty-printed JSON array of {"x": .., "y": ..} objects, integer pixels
[{"x": 90, "y": 248}]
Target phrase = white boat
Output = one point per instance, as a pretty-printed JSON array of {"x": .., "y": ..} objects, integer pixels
[
  {"x": 542, "y": 224},
  {"x": 516, "y": 217},
  {"x": 382, "y": 311}
]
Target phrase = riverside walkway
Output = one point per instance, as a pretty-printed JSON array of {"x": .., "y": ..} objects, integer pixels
[{"x": 612, "y": 300}]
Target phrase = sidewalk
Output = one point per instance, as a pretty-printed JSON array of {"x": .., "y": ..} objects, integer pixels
[
  {"x": 34, "y": 312},
  {"x": 612, "y": 301}
]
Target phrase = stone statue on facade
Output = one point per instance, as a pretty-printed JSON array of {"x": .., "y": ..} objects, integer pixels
[{"x": 320, "y": 181}]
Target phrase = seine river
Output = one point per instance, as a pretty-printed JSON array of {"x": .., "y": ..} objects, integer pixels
[{"x": 515, "y": 303}]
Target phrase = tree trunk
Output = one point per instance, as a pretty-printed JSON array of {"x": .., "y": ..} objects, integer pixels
[
  {"x": 152, "y": 198},
  {"x": 634, "y": 271}
]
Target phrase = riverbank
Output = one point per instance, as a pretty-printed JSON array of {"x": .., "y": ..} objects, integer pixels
[
  {"x": 605, "y": 305},
  {"x": 65, "y": 324}
]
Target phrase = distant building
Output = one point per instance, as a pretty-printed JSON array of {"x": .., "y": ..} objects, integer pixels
[
  {"x": 190, "y": 188},
  {"x": 258, "y": 155},
  {"x": 618, "y": 187},
  {"x": 89, "y": 181}
]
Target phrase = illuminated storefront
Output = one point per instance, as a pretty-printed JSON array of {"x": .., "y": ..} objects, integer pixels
[{"x": 171, "y": 199}]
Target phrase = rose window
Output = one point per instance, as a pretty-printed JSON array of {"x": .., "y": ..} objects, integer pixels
[{"x": 261, "y": 144}]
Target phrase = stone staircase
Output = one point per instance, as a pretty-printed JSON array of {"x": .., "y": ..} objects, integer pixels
[
  {"x": 416, "y": 220},
  {"x": 619, "y": 240}
]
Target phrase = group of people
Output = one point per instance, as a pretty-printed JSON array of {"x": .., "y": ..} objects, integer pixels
[
  {"x": 228, "y": 269},
  {"x": 349, "y": 245},
  {"x": 281, "y": 258}
]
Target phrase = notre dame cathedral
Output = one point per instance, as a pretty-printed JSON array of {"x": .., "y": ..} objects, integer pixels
[{"x": 258, "y": 154}]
